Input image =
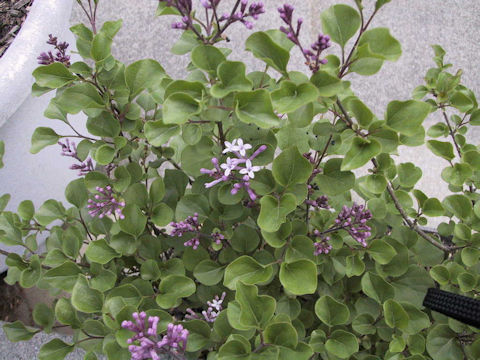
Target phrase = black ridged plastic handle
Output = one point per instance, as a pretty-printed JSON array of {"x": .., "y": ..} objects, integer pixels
[{"x": 458, "y": 307}]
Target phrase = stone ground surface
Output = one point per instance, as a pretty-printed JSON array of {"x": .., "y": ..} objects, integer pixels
[{"x": 416, "y": 24}]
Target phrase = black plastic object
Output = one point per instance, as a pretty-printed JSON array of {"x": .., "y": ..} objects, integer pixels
[{"x": 458, "y": 307}]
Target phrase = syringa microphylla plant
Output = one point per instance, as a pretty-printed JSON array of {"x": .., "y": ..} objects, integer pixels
[{"x": 214, "y": 217}]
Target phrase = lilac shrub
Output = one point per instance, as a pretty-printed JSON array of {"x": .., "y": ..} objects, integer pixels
[{"x": 219, "y": 217}]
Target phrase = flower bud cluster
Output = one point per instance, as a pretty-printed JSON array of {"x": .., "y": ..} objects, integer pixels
[
  {"x": 320, "y": 202},
  {"x": 238, "y": 169},
  {"x": 105, "y": 203},
  {"x": 149, "y": 345},
  {"x": 47, "y": 58},
  {"x": 70, "y": 150},
  {"x": 312, "y": 56},
  {"x": 353, "y": 219},
  {"x": 192, "y": 225},
  {"x": 254, "y": 11},
  {"x": 321, "y": 246},
  {"x": 211, "y": 314}
]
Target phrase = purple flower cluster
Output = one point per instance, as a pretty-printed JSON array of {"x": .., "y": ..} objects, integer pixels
[
  {"x": 217, "y": 237},
  {"x": 232, "y": 170},
  {"x": 312, "y": 56},
  {"x": 105, "y": 203},
  {"x": 70, "y": 150},
  {"x": 321, "y": 246},
  {"x": 254, "y": 11},
  {"x": 320, "y": 202},
  {"x": 211, "y": 314},
  {"x": 354, "y": 221},
  {"x": 150, "y": 347},
  {"x": 192, "y": 225},
  {"x": 47, "y": 58}
]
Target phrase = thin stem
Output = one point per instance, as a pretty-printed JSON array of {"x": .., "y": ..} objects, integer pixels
[
  {"x": 263, "y": 76},
  {"x": 346, "y": 63},
  {"x": 227, "y": 23},
  {"x": 176, "y": 166},
  {"x": 451, "y": 132},
  {"x": 221, "y": 135},
  {"x": 85, "y": 226},
  {"x": 397, "y": 203}
]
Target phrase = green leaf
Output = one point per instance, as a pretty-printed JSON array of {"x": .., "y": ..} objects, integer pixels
[
  {"x": 55, "y": 349},
  {"x": 440, "y": 274},
  {"x": 395, "y": 315},
  {"x": 417, "y": 319},
  {"x": 375, "y": 183},
  {"x": 255, "y": 107},
  {"x": 43, "y": 316},
  {"x": 30, "y": 276},
  {"x": 470, "y": 256},
  {"x": 364, "y": 324},
  {"x": 2, "y": 152},
  {"x": 65, "y": 313},
  {"x": 442, "y": 343},
  {"x": 104, "y": 125},
  {"x": 245, "y": 239},
  {"x": 457, "y": 175},
  {"x": 458, "y": 205},
  {"x": 282, "y": 334},
  {"x": 361, "y": 151},
  {"x": 290, "y": 96},
  {"x": 255, "y": 311},
  {"x": 273, "y": 211},
  {"x": 355, "y": 266},
  {"x": 105, "y": 154},
  {"x": 342, "y": 344},
  {"x": 49, "y": 211},
  {"x": 377, "y": 288},
  {"x": 290, "y": 168},
  {"x": 143, "y": 74},
  {"x": 264, "y": 48},
  {"x": 86, "y": 299},
  {"x": 191, "y": 204},
  {"x": 76, "y": 193},
  {"x": 80, "y": 97},
  {"x": 408, "y": 174},
  {"x": 332, "y": 181},
  {"x": 304, "y": 269},
  {"x": 341, "y": 22},
  {"x": 16, "y": 331},
  {"x": 233, "y": 79},
  {"x": 208, "y": 272},
  {"x": 246, "y": 269},
  {"x": 158, "y": 133},
  {"x": 100, "y": 252},
  {"x": 134, "y": 221},
  {"x": 327, "y": 84},
  {"x": 43, "y": 137},
  {"x": 360, "y": 112},
  {"x": 441, "y": 148},
  {"x": 26, "y": 209},
  {"x": 381, "y": 251},
  {"x": 172, "y": 289},
  {"x": 381, "y": 43},
  {"x": 207, "y": 57},
  {"x": 406, "y": 116},
  {"x": 331, "y": 311},
  {"x": 64, "y": 276},
  {"x": 53, "y": 76},
  {"x": 178, "y": 108}
]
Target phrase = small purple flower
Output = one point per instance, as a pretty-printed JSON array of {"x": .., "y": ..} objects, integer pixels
[
  {"x": 190, "y": 224},
  {"x": 105, "y": 203},
  {"x": 215, "y": 306},
  {"x": 321, "y": 246},
  {"x": 249, "y": 170},
  {"x": 60, "y": 56},
  {"x": 321, "y": 202},
  {"x": 232, "y": 169},
  {"x": 149, "y": 344},
  {"x": 217, "y": 237},
  {"x": 354, "y": 220},
  {"x": 70, "y": 150}
]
